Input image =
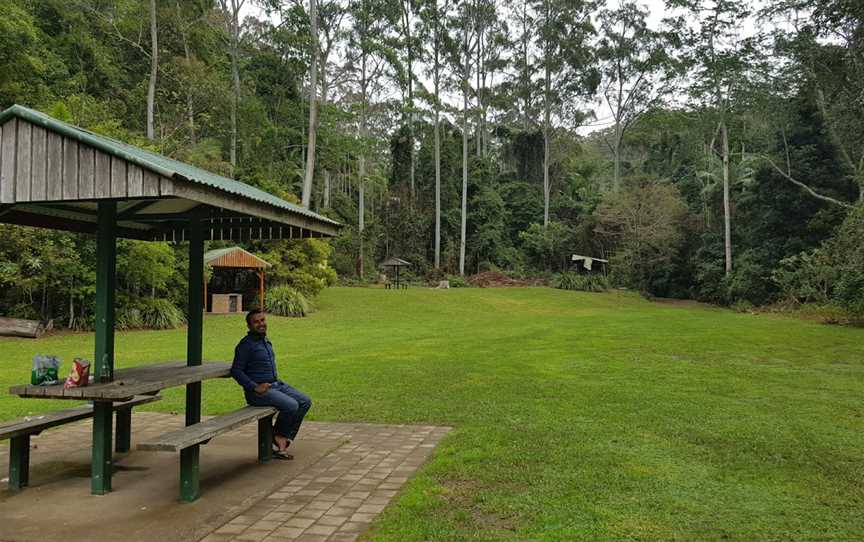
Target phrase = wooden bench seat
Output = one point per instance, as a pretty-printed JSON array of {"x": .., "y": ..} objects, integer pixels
[
  {"x": 188, "y": 439},
  {"x": 20, "y": 431}
]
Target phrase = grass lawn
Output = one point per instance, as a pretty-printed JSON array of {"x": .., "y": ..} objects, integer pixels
[{"x": 577, "y": 416}]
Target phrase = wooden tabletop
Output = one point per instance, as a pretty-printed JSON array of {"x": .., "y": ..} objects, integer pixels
[{"x": 140, "y": 380}]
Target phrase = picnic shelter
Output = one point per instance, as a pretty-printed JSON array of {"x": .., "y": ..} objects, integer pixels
[
  {"x": 59, "y": 176},
  {"x": 395, "y": 264}
]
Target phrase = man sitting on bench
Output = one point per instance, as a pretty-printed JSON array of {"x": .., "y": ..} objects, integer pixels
[{"x": 254, "y": 368}]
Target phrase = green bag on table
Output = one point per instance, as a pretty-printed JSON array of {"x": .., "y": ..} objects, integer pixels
[{"x": 46, "y": 370}]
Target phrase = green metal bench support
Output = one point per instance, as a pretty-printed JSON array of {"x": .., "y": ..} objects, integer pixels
[
  {"x": 19, "y": 432},
  {"x": 190, "y": 473},
  {"x": 265, "y": 439},
  {"x": 123, "y": 430},
  {"x": 19, "y": 462}
]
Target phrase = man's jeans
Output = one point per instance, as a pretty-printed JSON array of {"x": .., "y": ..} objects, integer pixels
[{"x": 292, "y": 404}]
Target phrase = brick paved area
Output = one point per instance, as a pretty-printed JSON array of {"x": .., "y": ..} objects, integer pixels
[{"x": 335, "y": 499}]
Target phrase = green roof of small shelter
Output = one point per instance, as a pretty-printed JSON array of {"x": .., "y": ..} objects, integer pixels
[{"x": 19, "y": 186}]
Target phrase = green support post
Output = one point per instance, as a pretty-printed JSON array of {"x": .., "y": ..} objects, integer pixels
[
  {"x": 123, "y": 430},
  {"x": 265, "y": 439},
  {"x": 189, "y": 457},
  {"x": 19, "y": 461},
  {"x": 106, "y": 258},
  {"x": 102, "y": 461}
]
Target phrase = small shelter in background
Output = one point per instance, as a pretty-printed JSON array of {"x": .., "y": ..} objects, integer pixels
[
  {"x": 588, "y": 264},
  {"x": 395, "y": 264},
  {"x": 232, "y": 258}
]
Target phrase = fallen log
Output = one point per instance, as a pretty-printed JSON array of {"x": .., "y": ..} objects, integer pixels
[{"x": 17, "y": 327}]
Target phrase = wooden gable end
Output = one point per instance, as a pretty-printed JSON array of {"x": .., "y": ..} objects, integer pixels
[{"x": 37, "y": 164}]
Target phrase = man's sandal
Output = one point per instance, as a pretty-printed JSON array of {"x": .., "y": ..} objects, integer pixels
[{"x": 281, "y": 454}]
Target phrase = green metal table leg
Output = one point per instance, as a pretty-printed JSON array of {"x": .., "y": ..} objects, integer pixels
[
  {"x": 19, "y": 462},
  {"x": 265, "y": 439},
  {"x": 124, "y": 430},
  {"x": 189, "y": 474},
  {"x": 102, "y": 465}
]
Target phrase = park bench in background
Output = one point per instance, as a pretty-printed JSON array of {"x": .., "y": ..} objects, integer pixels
[{"x": 20, "y": 431}]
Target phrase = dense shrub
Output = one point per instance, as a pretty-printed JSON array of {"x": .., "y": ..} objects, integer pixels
[
  {"x": 457, "y": 281},
  {"x": 129, "y": 317},
  {"x": 645, "y": 223},
  {"x": 287, "y": 301},
  {"x": 750, "y": 280},
  {"x": 581, "y": 282},
  {"x": 159, "y": 313},
  {"x": 303, "y": 265},
  {"x": 832, "y": 274}
]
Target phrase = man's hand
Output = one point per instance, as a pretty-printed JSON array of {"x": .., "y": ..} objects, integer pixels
[{"x": 262, "y": 388}]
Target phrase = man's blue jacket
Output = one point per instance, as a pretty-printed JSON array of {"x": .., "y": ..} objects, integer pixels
[{"x": 254, "y": 361}]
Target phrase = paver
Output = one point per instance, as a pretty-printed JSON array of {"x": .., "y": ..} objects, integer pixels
[{"x": 319, "y": 503}]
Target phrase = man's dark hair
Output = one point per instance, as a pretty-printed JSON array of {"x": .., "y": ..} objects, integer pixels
[{"x": 252, "y": 313}]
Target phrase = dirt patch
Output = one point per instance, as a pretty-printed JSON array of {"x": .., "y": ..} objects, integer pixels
[
  {"x": 684, "y": 303},
  {"x": 460, "y": 494},
  {"x": 497, "y": 279}
]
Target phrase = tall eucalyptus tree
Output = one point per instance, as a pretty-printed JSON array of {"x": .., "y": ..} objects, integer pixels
[
  {"x": 433, "y": 16},
  {"x": 565, "y": 62},
  {"x": 309, "y": 171},
  {"x": 369, "y": 55},
  {"x": 154, "y": 67},
  {"x": 637, "y": 71},
  {"x": 231, "y": 18},
  {"x": 720, "y": 58}
]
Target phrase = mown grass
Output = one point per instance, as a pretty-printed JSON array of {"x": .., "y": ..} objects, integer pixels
[{"x": 577, "y": 416}]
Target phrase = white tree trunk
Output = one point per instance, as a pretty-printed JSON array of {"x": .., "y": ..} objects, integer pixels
[
  {"x": 326, "y": 189},
  {"x": 313, "y": 108},
  {"x": 361, "y": 204},
  {"x": 479, "y": 127},
  {"x": 727, "y": 215},
  {"x": 465, "y": 79},
  {"x": 190, "y": 111},
  {"x": 407, "y": 6},
  {"x": 234, "y": 52},
  {"x": 361, "y": 213},
  {"x": 547, "y": 116},
  {"x": 154, "y": 63},
  {"x": 437, "y": 80},
  {"x": 616, "y": 178}
]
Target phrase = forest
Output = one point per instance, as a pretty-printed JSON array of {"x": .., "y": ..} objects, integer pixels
[{"x": 709, "y": 149}]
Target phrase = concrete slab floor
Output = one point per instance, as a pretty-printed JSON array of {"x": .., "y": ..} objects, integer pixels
[{"x": 342, "y": 476}]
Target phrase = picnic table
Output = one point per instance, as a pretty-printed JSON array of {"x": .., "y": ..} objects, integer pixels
[
  {"x": 62, "y": 177},
  {"x": 140, "y": 380}
]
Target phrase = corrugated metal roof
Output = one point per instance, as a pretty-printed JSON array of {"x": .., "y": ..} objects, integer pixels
[
  {"x": 233, "y": 257},
  {"x": 395, "y": 262},
  {"x": 156, "y": 162}
]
